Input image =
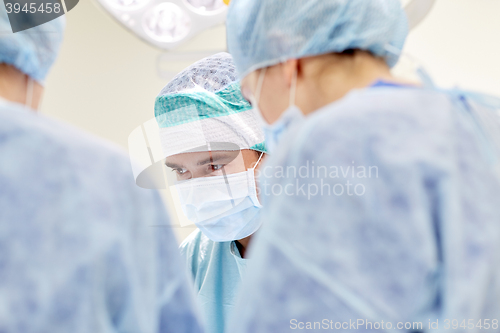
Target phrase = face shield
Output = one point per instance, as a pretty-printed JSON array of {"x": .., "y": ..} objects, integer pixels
[{"x": 211, "y": 185}]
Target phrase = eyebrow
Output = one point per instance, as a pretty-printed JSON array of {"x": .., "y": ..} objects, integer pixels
[
  {"x": 215, "y": 157},
  {"x": 173, "y": 165}
]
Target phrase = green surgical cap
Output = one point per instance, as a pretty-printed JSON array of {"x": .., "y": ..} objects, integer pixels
[{"x": 202, "y": 105}]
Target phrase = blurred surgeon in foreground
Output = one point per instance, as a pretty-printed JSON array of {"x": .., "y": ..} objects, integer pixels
[
  {"x": 395, "y": 216},
  {"x": 213, "y": 143},
  {"x": 77, "y": 250}
]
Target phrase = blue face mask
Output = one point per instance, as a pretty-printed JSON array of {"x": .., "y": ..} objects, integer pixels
[
  {"x": 292, "y": 116},
  {"x": 224, "y": 208}
]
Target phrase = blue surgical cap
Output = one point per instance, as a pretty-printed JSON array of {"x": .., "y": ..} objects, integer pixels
[
  {"x": 263, "y": 33},
  {"x": 204, "y": 104},
  {"x": 31, "y": 51}
]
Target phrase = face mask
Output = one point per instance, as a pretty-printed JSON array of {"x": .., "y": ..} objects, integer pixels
[
  {"x": 291, "y": 117},
  {"x": 224, "y": 208}
]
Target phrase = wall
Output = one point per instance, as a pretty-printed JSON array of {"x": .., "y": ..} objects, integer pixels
[
  {"x": 106, "y": 80},
  {"x": 459, "y": 44}
]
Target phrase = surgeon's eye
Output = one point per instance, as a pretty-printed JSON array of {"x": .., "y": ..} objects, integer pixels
[
  {"x": 180, "y": 172},
  {"x": 216, "y": 167}
]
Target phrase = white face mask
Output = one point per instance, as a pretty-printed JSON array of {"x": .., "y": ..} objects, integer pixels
[
  {"x": 224, "y": 208},
  {"x": 292, "y": 116}
]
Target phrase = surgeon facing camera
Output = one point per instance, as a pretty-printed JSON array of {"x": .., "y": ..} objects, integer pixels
[{"x": 213, "y": 143}]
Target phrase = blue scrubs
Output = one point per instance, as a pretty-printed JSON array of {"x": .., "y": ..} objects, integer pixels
[
  {"x": 392, "y": 216},
  {"x": 217, "y": 269},
  {"x": 78, "y": 250}
]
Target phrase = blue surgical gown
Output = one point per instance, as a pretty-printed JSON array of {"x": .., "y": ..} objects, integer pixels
[
  {"x": 81, "y": 249},
  {"x": 382, "y": 206},
  {"x": 217, "y": 269}
]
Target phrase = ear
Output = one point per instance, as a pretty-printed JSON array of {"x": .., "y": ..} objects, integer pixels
[{"x": 290, "y": 67}]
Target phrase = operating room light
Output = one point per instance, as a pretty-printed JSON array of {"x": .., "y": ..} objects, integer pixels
[
  {"x": 129, "y": 4},
  {"x": 167, "y": 22},
  {"x": 207, "y": 5}
]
